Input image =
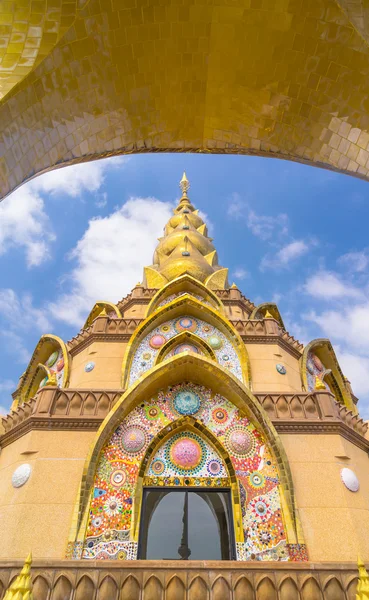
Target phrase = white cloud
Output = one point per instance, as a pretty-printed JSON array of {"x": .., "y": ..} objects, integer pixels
[
  {"x": 110, "y": 257},
  {"x": 24, "y": 222},
  {"x": 262, "y": 226},
  {"x": 285, "y": 256},
  {"x": 20, "y": 313},
  {"x": 328, "y": 285},
  {"x": 74, "y": 180},
  {"x": 240, "y": 273},
  {"x": 354, "y": 261},
  {"x": 349, "y": 325}
]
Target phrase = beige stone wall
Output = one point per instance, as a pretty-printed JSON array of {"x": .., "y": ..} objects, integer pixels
[
  {"x": 38, "y": 515},
  {"x": 136, "y": 311},
  {"x": 264, "y": 375},
  {"x": 335, "y": 521},
  {"x": 235, "y": 312},
  {"x": 107, "y": 373}
]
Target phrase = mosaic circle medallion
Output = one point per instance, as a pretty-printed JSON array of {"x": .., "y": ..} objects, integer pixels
[
  {"x": 185, "y": 324},
  {"x": 187, "y": 402},
  {"x": 133, "y": 439},
  {"x": 118, "y": 478},
  {"x": 350, "y": 479},
  {"x": 256, "y": 480},
  {"x": 158, "y": 467},
  {"x": 220, "y": 415},
  {"x": 214, "y": 467},
  {"x": 21, "y": 475},
  {"x": 185, "y": 348},
  {"x": 260, "y": 508},
  {"x": 52, "y": 359},
  {"x": 239, "y": 441},
  {"x": 60, "y": 365},
  {"x": 186, "y": 453},
  {"x": 157, "y": 341},
  {"x": 152, "y": 412},
  {"x": 281, "y": 369},
  {"x": 215, "y": 342},
  {"x": 89, "y": 366}
]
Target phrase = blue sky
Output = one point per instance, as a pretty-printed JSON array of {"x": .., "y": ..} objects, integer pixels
[{"x": 288, "y": 233}]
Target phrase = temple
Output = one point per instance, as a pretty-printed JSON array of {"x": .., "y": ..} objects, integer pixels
[{"x": 183, "y": 445}]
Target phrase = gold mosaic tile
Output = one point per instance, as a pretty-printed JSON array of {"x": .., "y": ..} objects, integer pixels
[{"x": 285, "y": 78}]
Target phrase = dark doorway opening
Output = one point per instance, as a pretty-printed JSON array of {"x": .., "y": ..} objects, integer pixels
[{"x": 186, "y": 524}]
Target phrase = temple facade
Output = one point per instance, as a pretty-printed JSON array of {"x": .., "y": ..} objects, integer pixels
[{"x": 184, "y": 446}]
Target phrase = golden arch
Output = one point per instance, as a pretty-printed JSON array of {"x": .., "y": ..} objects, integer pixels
[
  {"x": 282, "y": 110},
  {"x": 47, "y": 344},
  {"x": 201, "y": 370},
  {"x": 260, "y": 310},
  {"x": 98, "y": 309},
  {"x": 191, "y": 424},
  {"x": 324, "y": 350},
  {"x": 185, "y": 284},
  {"x": 186, "y": 337},
  {"x": 178, "y": 307}
]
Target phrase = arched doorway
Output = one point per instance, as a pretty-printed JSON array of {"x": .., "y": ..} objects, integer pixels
[{"x": 183, "y": 524}]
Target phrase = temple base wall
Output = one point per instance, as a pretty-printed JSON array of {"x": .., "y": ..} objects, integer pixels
[{"x": 192, "y": 580}]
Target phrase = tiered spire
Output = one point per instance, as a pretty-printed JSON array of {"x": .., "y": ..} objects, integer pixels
[
  {"x": 185, "y": 248},
  {"x": 21, "y": 588}
]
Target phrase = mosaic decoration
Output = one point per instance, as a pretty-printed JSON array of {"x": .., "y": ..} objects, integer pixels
[
  {"x": 315, "y": 368},
  {"x": 55, "y": 364},
  {"x": 147, "y": 351},
  {"x": 186, "y": 458},
  {"x": 184, "y": 348},
  {"x": 281, "y": 369},
  {"x": 89, "y": 366},
  {"x": 187, "y": 454},
  {"x": 350, "y": 479},
  {"x": 172, "y": 297},
  {"x": 21, "y": 475}
]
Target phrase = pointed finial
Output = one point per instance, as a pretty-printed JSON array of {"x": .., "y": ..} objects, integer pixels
[
  {"x": 319, "y": 384},
  {"x": 21, "y": 588},
  {"x": 268, "y": 315},
  {"x": 362, "y": 590},
  {"x": 184, "y": 184},
  {"x": 52, "y": 380},
  {"x": 233, "y": 286},
  {"x": 103, "y": 312}
]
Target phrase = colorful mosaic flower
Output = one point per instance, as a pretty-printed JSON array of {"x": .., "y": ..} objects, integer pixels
[
  {"x": 113, "y": 506},
  {"x": 239, "y": 441},
  {"x": 187, "y": 402},
  {"x": 118, "y": 478},
  {"x": 133, "y": 439},
  {"x": 185, "y": 324},
  {"x": 256, "y": 480}
]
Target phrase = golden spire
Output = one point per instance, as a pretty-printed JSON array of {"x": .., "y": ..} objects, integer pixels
[
  {"x": 184, "y": 184},
  {"x": 268, "y": 315},
  {"x": 362, "y": 590},
  {"x": 185, "y": 248},
  {"x": 21, "y": 588}
]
